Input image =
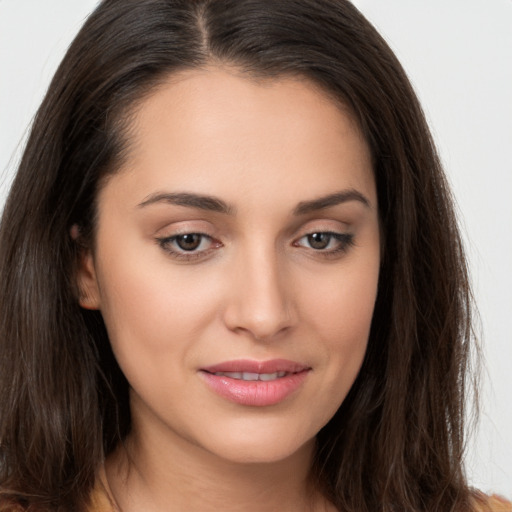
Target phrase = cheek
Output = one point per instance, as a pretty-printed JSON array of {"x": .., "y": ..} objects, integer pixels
[
  {"x": 343, "y": 305},
  {"x": 153, "y": 312},
  {"x": 341, "y": 317}
]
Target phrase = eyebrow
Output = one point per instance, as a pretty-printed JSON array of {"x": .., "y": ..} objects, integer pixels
[
  {"x": 198, "y": 201},
  {"x": 214, "y": 204},
  {"x": 329, "y": 201}
]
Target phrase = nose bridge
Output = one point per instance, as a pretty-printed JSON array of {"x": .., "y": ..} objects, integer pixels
[{"x": 260, "y": 302}]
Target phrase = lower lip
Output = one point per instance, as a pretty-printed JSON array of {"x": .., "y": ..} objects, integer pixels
[{"x": 255, "y": 392}]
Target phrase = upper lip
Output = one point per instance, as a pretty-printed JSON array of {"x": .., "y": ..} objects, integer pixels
[{"x": 252, "y": 366}]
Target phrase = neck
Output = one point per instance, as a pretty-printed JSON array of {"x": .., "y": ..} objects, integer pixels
[{"x": 153, "y": 474}]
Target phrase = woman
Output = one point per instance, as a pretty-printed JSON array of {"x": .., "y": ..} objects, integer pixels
[{"x": 230, "y": 273}]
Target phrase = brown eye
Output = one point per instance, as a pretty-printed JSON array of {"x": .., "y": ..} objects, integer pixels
[
  {"x": 189, "y": 246},
  {"x": 326, "y": 243},
  {"x": 319, "y": 240},
  {"x": 189, "y": 242}
]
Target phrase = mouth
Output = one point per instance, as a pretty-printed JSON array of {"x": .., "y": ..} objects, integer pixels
[
  {"x": 239, "y": 367},
  {"x": 249, "y": 376},
  {"x": 255, "y": 383}
]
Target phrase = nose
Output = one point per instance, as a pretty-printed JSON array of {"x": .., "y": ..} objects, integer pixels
[{"x": 260, "y": 300}]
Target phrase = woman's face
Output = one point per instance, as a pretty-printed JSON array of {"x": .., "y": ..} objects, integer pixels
[{"x": 236, "y": 264}]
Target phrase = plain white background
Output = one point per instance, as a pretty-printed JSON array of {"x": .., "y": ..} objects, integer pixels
[{"x": 458, "y": 54}]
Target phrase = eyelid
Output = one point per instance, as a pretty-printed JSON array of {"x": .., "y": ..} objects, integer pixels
[
  {"x": 345, "y": 241},
  {"x": 165, "y": 243},
  {"x": 341, "y": 237}
]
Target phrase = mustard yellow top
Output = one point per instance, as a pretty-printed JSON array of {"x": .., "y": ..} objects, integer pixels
[
  {"x": 491, "y": 503},
  {"x": 102, "y": 500},
  {"x": 101, "y": 497}
]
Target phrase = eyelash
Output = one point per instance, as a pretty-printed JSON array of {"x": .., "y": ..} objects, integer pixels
[
  {"x": 182, "y": 254},
  {"x": 345, "y": 241}
]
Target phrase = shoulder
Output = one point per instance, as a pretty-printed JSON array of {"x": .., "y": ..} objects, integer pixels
[
  {"x": 100, "y": 502},
  {"x": 484, "y": 503},
  {"x": 7, "y": 505},
  {"x": 100, "y": 499}
]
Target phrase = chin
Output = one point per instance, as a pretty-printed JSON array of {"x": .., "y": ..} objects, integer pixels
[{"x": 263, "y": 449}]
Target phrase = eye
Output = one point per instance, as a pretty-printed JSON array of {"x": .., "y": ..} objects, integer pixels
[
  {"x": 189, "y": 242},
  {"x": 188, "y": 245},
  {"x": 326, "y": 241}
]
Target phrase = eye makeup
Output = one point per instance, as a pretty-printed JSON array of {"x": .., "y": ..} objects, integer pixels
[
  {"x": 188, "y": 246},
  {"x": 194, "y": 246}
]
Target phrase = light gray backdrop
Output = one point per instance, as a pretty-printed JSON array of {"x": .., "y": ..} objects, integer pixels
[{"x": 458, "y": 54}]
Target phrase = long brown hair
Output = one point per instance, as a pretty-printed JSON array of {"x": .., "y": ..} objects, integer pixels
[{"x": 396, "y": 443}]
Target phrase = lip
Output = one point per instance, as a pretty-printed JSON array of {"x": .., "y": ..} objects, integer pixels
[
  {"x": 249, "y": 365},
  {"x": 255, "y": 393}
]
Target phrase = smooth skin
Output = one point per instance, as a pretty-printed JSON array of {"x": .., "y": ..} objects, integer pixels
[{"x": 279, "y": 260}]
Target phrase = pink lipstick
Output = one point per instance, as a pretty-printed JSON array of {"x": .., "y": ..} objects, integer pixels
[{"x": 255, "y": 383}]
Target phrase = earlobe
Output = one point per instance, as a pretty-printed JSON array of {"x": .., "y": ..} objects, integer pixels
[
  {"x": 87, "y": 283},
  {"x": 86, "y": 279}
]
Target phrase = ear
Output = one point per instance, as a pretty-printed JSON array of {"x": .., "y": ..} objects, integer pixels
[{"x": 86, "y": 279}]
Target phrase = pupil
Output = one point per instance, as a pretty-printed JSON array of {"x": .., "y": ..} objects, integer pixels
[
  {"x": 188, "y": 242},
  {"x": 319, "y": 240}
]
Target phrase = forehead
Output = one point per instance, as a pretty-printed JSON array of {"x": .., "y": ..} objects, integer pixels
[{"x": 219, "y": 128}]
